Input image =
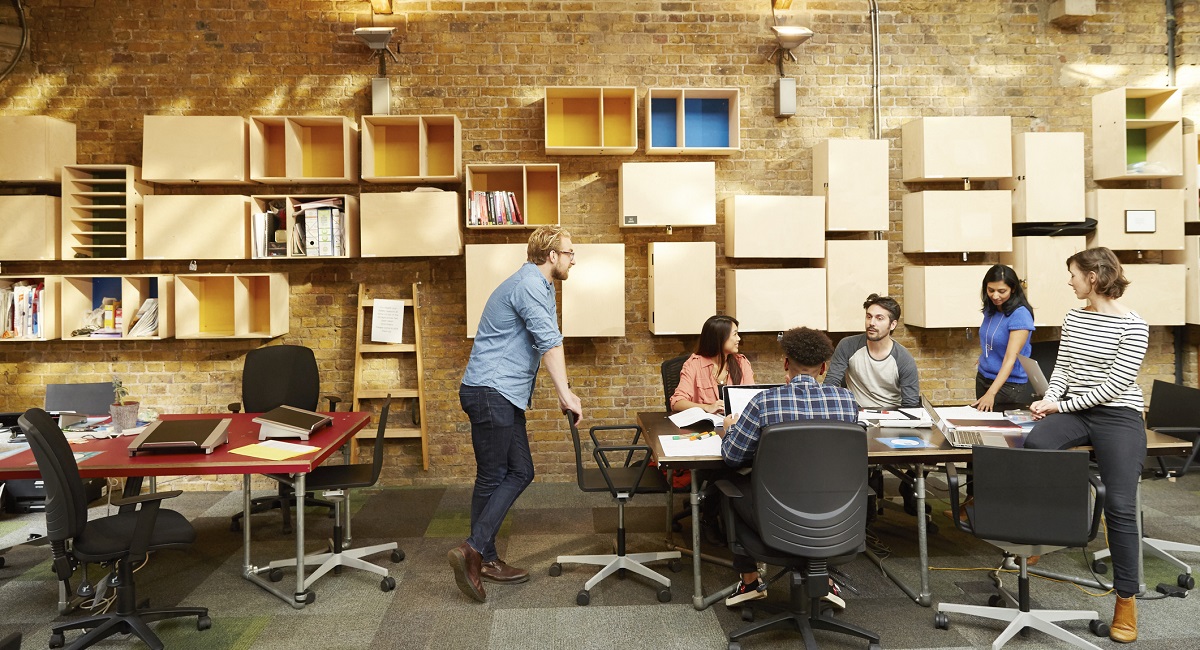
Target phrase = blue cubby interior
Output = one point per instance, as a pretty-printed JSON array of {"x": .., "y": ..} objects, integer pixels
[
  {"x": 662, "y": 122},
  {"x": 105, "y": 288},
  {"x": 706, "y": 122}
]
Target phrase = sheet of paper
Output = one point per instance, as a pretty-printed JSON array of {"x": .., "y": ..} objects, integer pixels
[
  {"x": 387, "y": 321},
  {"x": 273, "y": 450},
  {"x": 693, "y": 415},
  {"x": 709, "y": 445}
]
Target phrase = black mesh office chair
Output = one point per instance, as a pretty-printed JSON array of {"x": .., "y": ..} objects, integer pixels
[
  {"x": 1029, "y": 502},
  {"x": 123, "y": 540},
  {"x": 345, "y": 477},
  {"x": 1175, "y": 411},
  {"x": 670, "y": 370},
  {"x": 274, "y": 376},
  {"x": 622, "y": 481},
  {"x": 88, "y": 399},
  {"x": 810, "y": 501}
]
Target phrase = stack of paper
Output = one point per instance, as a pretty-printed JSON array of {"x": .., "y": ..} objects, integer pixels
[{"x": 145, "y": 323}]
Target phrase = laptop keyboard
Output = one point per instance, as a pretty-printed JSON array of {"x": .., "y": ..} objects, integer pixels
[{"x": 969, "y": 437}]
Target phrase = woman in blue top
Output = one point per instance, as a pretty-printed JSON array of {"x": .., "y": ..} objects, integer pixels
[{"x": 1004, "y": 333}]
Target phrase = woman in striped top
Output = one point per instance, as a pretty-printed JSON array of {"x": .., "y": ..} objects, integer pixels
[{"x": 1094, "y": 399}]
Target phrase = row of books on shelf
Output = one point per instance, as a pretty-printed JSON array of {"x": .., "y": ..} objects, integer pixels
[
  {"x": 21, "y": 309},
  {"x": 498, "y": 208},
  {"x": 318, "y": 230}
]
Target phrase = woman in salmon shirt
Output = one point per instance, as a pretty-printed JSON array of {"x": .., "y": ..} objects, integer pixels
[{"x": 715, "y": 363}]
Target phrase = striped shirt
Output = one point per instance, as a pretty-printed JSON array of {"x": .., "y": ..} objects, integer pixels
[
  {"x": 1098, "y": 361},
  {"x": 803, "y": 398}
]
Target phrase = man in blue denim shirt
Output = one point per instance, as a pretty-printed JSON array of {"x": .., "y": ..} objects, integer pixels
[{"x": 517, "y": 331}]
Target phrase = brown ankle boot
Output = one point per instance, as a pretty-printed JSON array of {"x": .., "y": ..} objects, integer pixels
[{"x": 1124, "y": 623}]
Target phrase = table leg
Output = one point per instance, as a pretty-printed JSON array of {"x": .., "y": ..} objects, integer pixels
[
  {"x": 923, "y": 598},
  {"x": 300, "y": 598}
]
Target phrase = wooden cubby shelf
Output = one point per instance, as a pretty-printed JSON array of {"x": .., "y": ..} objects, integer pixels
[
  {"x": 82, "y": 295},
  {"x": 852, "y": 175},
  {"x": 590, "y": 121},
  {"x": 1137, "y": 133},
  {"x": 196, "y": 227},
  {"x": 667, "y": 194},
  {"x": 102, "y": 211},
  {"x": 200, "y": 149},
  {"x": 693, "y": 121},
  {"x": 231, "y": 305},
  {"x": 40, "y": 306},
  {"x": 288, "y": 217},
  {"x": 1048, "y": 179},
  {"x": 32, "y": 227},
  {"x": 411, "y": 149},
  {"x": 38, "y": 145},
  {"x": 683, "y": 286},
  {"x": 314, "y": 149},
  {"x": 410, "y": 224},
  {"x": 954, "y": 148},
  {"x": 534, "y": 190}
]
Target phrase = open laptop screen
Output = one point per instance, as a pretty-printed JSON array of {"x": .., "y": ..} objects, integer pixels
[
  {"x": 736, "y": 397},
  {"x": 1037, "y": 379}
]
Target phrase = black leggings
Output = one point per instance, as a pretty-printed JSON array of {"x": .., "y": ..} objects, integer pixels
[
  {"x": 1118, "y": 435},
  {"x": 1011, "y": 394}
]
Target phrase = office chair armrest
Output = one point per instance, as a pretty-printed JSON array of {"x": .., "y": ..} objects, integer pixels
[
  {"x": 143, "y": 498},
  {"x": 599, "y": 454},
  {"x": 637, "y": 435},
  {"x": 143, "y": 526},
  {"x": 334, "y": 400},
  {"x": 955, "y": 482},
  {"x": 1098, "y": 508},
  {"x": 235, "y": 407},
  {"x": 729, "y": 491}
]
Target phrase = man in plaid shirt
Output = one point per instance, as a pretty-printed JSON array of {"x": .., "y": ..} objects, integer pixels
[{"x": 806, "y": 357}]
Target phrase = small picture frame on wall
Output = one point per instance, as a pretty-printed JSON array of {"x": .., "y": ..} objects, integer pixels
[{"x": 1140, "y": 221}]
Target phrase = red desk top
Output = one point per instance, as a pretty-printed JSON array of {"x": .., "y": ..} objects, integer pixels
[{"x": 114, "y": 459}]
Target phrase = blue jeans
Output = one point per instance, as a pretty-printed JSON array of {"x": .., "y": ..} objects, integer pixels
[
  {"x": 1118, "y": 436},
  {"x": 503, "y": 465}
]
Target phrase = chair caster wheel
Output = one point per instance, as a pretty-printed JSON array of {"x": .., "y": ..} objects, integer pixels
[
  {"x": 1186, "y": 581},
  {"x": 56, "y": 640},
  {"x": 203, "y": 623},
  {"x": 1099, "y": 566},
  {"x": 664, "y": 595},
  {"x": 397, "y": 555},
  {"x": 874, "y": 646},
  {"x": 734, "y": 645},
  {"x": 941, "y": 621},
  {"x": 621, "y": 574},
  {"x": 826, "y": 611},
  {"x": 582, "y": 598},
  {"x": 1098, "y": 628},
  {"x": 995, "y": 600},
  {"x": 675, "y": 566},
  {"x": 387, "y": 584},
  {"x": 275, "y": 575},
  {"x": 308, "y": 597},
  {"x": 747, "y": 614},
  {"x": 555, "y": 570}
]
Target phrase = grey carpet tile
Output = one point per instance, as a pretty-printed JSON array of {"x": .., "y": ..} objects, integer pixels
[
  {"x": 601, "y": 628},
  {"x": 551, "y": 521}
]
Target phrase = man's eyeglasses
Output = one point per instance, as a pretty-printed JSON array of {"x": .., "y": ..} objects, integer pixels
[{"x": 571, "y": 253}]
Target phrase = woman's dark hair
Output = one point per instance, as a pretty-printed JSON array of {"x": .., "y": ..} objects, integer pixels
[
  {"x": 1110, "y": 279},
  {"x": 1016, "y": 297},
  {"x": 713, "y": 335}
]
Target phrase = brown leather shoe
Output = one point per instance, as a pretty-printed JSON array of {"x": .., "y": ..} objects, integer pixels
[
  {"x": 1124, "y": 623},
  {"x": 466, "y": 563},
  {"x": 498, "y": 571}
]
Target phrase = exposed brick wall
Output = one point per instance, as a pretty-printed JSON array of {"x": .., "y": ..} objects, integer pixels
[{"x": 103, "y": 65}]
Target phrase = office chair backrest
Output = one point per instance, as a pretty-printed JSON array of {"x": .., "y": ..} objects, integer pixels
[
  {"x": 1031, "y": 496},
  {"x": 1172, "y": 405},
  {"x": 1046, "y": 354},
  {"x": 279, "y": 375},
  {"x": 810, "y": 488},
  {"x": 377, "y": 458},
  {"x": 88, "y": 399},
  {"x": 670, "y": 376},
  {"x": 66, "y": 503}
]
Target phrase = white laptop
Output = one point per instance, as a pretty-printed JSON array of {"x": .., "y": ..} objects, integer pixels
[
  {"x": 966, "y": 432},
  {"x": 1037, "y": 378}
]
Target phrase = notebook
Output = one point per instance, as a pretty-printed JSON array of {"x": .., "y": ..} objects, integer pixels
[
  {"x": 1037, "y": 379},
  {"x": 965, "y": 433}
]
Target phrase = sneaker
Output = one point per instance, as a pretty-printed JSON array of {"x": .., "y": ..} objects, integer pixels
[
  {"x": 756, "y": 590},
  {"x": 834, "y": 597}
]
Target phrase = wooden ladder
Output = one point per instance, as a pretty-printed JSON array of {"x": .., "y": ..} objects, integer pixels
[{"x": 365, "y": 390}]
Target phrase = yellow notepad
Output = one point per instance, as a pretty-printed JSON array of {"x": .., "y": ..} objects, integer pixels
[{"x": 274, "y": 450}]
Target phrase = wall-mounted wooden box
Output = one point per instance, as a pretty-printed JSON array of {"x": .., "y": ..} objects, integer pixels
[
  {"x": 1189, "y": 181},
  {"x": 667, "y": 194},
  {"x": 683, "y": 286},
  {"x": 288, "y": 219},
  {"x": 1137, "y": 133},
  {"x": 1041, "y": 263},
  {"x": 196, "y": 227},
  {"x": 775, "y": 300},
  {"x": 593, "y": 298},
  {"x": 1153, "y": 292},
  {"x": 82, "y": 294},
  {"x": 38, "y": 148},
  {"x": 40, "y": 316},
  {"x": 1136, "y": 219},
  {"x": 590, "y": 121},
  {"x": 232, "y": 305},
  {"x": 30, "y": 227},
  {"x": 854, "y": 269},
  {"x": 1189, "y": 257},
  {"x": 852, "y": 175},
  {"x": 410, "y": 224},
  {"x": 1047, "y": 182},
  {"x": 411, "y": 149},
  {"x": 693, "y": 121},
  {"x": 774, "y": 226},
  {"x": 102, "y": 212},
  {"x": 487, "y": 266},
  {"x": 949, "y": 148},
  {"x": 957, "y": 221},
  {"x": 195, "y": 149},
  {"x": 318, "y": 149},
  {"x": 942, "y": 296},
  {"x": 534, "y": 190}
]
